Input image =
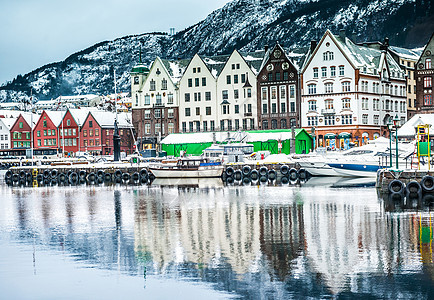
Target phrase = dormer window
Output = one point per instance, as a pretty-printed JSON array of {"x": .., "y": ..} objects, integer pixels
[{"x": 152, "y": 85}]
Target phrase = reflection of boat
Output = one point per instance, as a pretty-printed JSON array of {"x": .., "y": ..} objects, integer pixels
[
  {"x": 189, "y": 182},
  {"x": 188, "y": 168},
  {"x": 339, "y": 182}
]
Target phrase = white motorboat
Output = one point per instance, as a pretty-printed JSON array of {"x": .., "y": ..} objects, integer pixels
[{"x": 188, "y": 168}]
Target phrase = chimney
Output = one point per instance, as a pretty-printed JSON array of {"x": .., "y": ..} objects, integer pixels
[
  {"x": 312, "y": 46},
  {"x": 342, "y": 34}
]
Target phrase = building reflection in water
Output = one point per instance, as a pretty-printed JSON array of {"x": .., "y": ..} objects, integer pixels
[{"x": 257, "y": 241}]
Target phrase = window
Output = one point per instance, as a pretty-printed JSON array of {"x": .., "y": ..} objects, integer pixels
[
  {"x": 328, "y": 104},
  {"x": 264, "y": 93},
  {"x": 170, "y": 113},
  {"x": 187, "y": 97},
  {"x": 198, "y": 126},
  {"x": 427, "y": 99},
  {"x": 233, "y": 66},
  {"x": 152, "y": 85},
  {"x": 243, "y": 78},
  {"x": 38, "y": 133},
  {"x": 312, "y": 121},
  {"x": 85, "y": 132},
  {"x": 346, "y": 86},
  {"x": 229, "y": 125},
  {"x": 341, "y": 70},
  {"x": 249, "y": 108},
  {"x": 236, "y": 94},
  {"x": 68, "y": 122},
  {"x": 329, "y": 120},
  {"x": 45, "y": 133},
  {"x": 324, "y": 72},
  {"x": 164, "y": 84},
  {"x": 212, "y": 125},
  {"x": 292, "y": 106},
  {"x": 222, "y": 125},
  {"x": 283, "y": 107},
  {"x": 273, "y": 108},
  {"x": 20, "y": 125},
  {"x": 147, "y": 99},
  {"x": 365, "y": 104},
  {"x": 137, "y": 100},
  {"x": 315, "y": 72},
  {"x": 376, "y": 119},
  {"x": 157, "y": 128},
  {"x": 328, "y": 87},
  {"x": 147, "y": 114},
  {"x": 427, "y": 83},
  {"x": 238, "y": 66},
  {"x": 190, "y": 81},
  {"x": 44, "y": 124},
  {"x": 282, "y": 92},
  {"x": 158, "y": 99},
  {"x": 203, "y": 81},
  {"x": 265, "y": 124},
  {"x": 328, "y": 55},
  {"x": 285, "y": 75},
  {"x": 136, "y": 81},
  {"x": 249, "y": 93},
  {"x": 198, "y": 69},
  {"x": 197, "y": 96},
  {"x": 347, "y": 119},
  {"x": 225, "y": 109},
  {"x": 311, "y": 89},
  {"x": 312, "y": 105},
  {"x": 184, "y": 127},
  {"x": 225, "y": 94},
  {"x": 190, "y": 126},
  {"x": 194, "y": 70},
  {"x": 365, "y": 119},
  {"x": 333, "y": 71},
  {"x": 197, "y": 111},
  {"x": 187, "y": 111},
  {"x": 170, "y": 98},
  {"x": 292, "y": 91},
  {"x": 235, "y": 79},
  {"x": 273, "y": 92},
  {"x": 96, "y": 132},
  {"x": 277, "y": 76},
  {"x": 346, "y": 103},
  {"x": 208, "y": 96},
  {"x": 264, "y": 108},
  {"x": 428, "y": 63},
  {"x": 205, "y": 126},
  {"x": 270, "y": 76},
  {"x": 228, "y": 79},
  {"x": 237, "y": 109},
  {"x": 157, "y": 114},
  {"x": 196, "y": 82},
  {"x": 208, "y": 110},
  {"x": 237, "y": 124}
]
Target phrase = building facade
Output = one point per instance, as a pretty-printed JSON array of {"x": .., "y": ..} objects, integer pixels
[
  {"x": 350, "y": 92},
  {"x": 278, "y": 96},
  {"x": 46, "y": 133},
  {"x": 424, "y": 79}
]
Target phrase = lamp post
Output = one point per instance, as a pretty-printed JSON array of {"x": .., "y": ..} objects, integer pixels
[
  {"x": 389, "y": 127},
  {"x": 396, "y": 124}
]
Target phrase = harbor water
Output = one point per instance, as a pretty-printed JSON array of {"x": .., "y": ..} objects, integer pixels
[{"x": 202, "y": 239}]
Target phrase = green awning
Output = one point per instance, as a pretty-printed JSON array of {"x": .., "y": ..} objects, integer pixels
[
  {"x": 344, "y": 135},
  {"x": 330, "y": 136}
]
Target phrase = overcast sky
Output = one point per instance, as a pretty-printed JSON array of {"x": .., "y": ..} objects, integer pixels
[{"x": 37, "y": 32}]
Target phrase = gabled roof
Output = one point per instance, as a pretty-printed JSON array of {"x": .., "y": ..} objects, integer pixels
[
  {"x": 215, "y": 64},
  {"x": 175, "y": 68},
  {"x": 431, "y": 39},
  {"x": 107, "y": 119},
  {"x": 8, "y": 122},
  {"x": 28, "y": 118},
  {"x": 410, "y": 54},
  {"x": 79, "y": 115},
  {"x": 55, "y": 116},
  {"x": 408, "y": 129}
]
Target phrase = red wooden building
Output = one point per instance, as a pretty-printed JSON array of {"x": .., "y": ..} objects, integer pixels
[
  {"x": 21, "y": 131},
  {"x": 70, "y": 129},
  {"x": 45, "y": 133}
]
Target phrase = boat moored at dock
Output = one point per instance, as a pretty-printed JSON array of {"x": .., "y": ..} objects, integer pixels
[{"x": 188, "y": 168}]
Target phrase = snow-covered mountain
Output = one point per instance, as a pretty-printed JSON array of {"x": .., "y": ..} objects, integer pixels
[{"x": 241, "y": 24}]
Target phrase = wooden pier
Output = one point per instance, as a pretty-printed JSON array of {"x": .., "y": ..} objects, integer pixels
[{"x": 405, "y": 182}]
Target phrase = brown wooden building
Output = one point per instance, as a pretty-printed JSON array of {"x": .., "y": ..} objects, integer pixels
[{"x": 424, "y": 79}]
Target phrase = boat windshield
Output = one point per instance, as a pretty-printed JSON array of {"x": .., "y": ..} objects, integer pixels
[
  {"x": 245, "y": 149},
  {"x": 359, "y": 152}
]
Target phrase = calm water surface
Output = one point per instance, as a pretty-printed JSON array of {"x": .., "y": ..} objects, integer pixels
[{"x": 203, "y": 240}]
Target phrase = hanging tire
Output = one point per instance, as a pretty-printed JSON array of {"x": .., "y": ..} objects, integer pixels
[
  {"x": 143, "y": 173},
  {"x": 118, "y": 173},
  {"x": 247, "y": 181},
  {"x": 15, "y": 178},
  {"x": 107, "y": 177},
  {"x": 246, "y": 170},
  {"x": 263, "y": 178},
  {"x": 302, "y": 174},
  {"x": 8, "y": 174},
  {"x": 61, "y": 178},
  {"x": 263, "y": 171},
  {"x": 126, "y": 176},
  {"x": 396, "y": 187},
  {"x": 238, "y": 175},
  {"x": 143, "y": 180},
  {"x": 284, "y": 180},
  {"x": 151, "y": 177},
  {"x": 254, "y": 174},
  {"x": 272, "y": 174},
  {"x": 91, "y": 177},
  {"x": 118, "y": 180},
  {"x": 54, "y": 173},
  {"x": 230, "y": 179},
  {"x": 100, "y": 173},
  {"x": 413, "y": 187},
  {"x": 82, "y": 174},
  {"x": 99, "y": 180},
  {"x": 46, "y": 174},
  {"x": 73, "y": 178},
  {"x": 29, "y": 177},
  {"x": 284, "y": 170},
  {"x": 39, "y": 178},
  {"x": 135, "y": 177},
  {"x": 229, "y": 171},
  {"x": 427, "y": 183},
  {"x": 293, "y": 174}
]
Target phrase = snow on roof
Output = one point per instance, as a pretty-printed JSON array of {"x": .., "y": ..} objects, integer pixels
[
  {"x": 28, "y": 117},
  {"x": 79, "y": 115},
  {"x": 411, "y": 54},
  {"x": 8, "y": 122},
  {"x": 408, "y": 129},
  {"x": 55, "y": 116},
  {"x": 107, "y": 119}
]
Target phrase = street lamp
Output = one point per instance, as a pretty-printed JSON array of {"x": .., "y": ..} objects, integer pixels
[
  {"x": 389, "y": 127},
  {"x": 396, "y": 124}
]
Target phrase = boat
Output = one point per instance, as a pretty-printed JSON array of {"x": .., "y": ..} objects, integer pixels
[{"x": 188, "y": 168}]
